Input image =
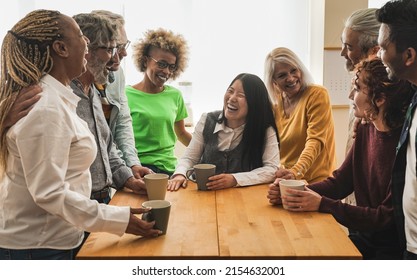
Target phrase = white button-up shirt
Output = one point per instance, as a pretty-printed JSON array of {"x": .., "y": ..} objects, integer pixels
[
  {"x": 45, "y": 192},
  {"x": 228, "y": 139},
  {"x": 410, "y": 190}
]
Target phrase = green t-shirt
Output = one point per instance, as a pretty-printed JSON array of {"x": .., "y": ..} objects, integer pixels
[{"x": 153, "y": 118}]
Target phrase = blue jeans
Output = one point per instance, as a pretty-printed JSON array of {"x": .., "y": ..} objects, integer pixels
[{"x": 36, "y": 254}]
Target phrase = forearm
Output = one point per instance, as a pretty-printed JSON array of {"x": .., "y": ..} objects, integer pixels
[
  {"x": 262, "y": 175},
  {"x": 120, "y": 172},
  {"x": 307, "y": 157},
  {"x": 185, "y": 138},
  {"x": 124, "y": 139},
  {"x": 356, "y": 217}
]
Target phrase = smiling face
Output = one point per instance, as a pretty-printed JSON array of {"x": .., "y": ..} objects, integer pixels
[
  {"x": 77, "y": 44},
  {"x": 97, "y": 60},
  {"x": 389, "y": 56},
  {"x": 235, "y": 105},
  {"x": 114, "y": 63},
  {"x": 155, "y": 76},
  {"x": 351, "y": 50},
  {"x": 287, "y": 78}
]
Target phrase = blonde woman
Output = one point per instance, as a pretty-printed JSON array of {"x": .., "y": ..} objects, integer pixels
[{"x": 303, "y": 117}]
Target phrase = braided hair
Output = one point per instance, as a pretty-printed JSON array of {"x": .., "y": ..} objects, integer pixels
[{"x": 25, "y": 58}]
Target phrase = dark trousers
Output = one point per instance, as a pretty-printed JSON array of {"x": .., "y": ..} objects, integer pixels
[
  {"x": 376, "y": 247},
  {"x": 409, "y": 256},
  {"x": 36, "y": 254}
]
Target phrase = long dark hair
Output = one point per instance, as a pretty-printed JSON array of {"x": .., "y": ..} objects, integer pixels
[
  {"x": 259, "y": 118},
  {"x": 397, "y": 93}
]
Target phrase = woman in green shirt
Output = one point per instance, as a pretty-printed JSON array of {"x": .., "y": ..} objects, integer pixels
[{"x": 158, "y": 110}]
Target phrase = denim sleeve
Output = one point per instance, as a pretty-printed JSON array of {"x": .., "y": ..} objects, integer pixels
[{"x": 121, "y": 121}]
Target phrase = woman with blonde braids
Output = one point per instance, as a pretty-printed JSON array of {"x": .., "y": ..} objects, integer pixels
[{"x": 45, "y": 187}]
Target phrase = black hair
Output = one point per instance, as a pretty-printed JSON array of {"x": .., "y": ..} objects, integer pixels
[
  {"x": 401, "y": 18},
  {"x": 259, "y": 118}
]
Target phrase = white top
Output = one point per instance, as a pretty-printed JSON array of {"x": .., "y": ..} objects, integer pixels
[
  {"x": 228, "y": 139},
  {"x": 410, "y": 191},
  {"x": 45, "y": 192}
]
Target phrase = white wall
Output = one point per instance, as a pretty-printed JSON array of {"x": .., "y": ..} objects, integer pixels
[
  {"x": 225, "y": 37},
  {"x": 376, "y": 3}
]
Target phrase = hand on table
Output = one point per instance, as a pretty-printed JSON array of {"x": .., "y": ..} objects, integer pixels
[
  {"x": 178, "y": 181},
  {"x": 136, "y": 185},
  {"x": 221, "y": 181}
]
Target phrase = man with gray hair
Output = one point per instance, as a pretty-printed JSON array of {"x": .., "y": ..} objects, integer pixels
[
  {"x": 108, "y": 170},
  {"x": 115, "y": 107},
  {"x": 360, "y": 37},
  {"x": 359, "y": 41}
]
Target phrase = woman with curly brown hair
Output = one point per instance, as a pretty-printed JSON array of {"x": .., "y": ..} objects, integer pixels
[
  {"x": 367, "y": 168},
  {"x": 158, "y": 110}
]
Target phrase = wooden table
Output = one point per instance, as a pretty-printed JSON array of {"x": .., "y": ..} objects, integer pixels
[
  {"x": 250, "y": 227},
  {"x": 236, "y": 223},
  {"x": 191, "y": 233}
]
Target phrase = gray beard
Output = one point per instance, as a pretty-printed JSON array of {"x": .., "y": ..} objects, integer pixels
[
  {"x": 98, "y": 70},
  {"x": 349, "y": 66},
  {"x": 111, "y": 77}
]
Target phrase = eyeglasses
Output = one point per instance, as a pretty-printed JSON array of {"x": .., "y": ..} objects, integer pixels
[
  {"x": 164, "y": 64},
  {"x": 124, "y": 46},
  {"x": 110, "y": 50}
]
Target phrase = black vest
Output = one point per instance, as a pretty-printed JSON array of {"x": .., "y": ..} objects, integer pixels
[{"x": 228, "y": 161}]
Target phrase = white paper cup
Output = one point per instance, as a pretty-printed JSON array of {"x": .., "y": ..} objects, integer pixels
[{"x": 290, "y": 184}]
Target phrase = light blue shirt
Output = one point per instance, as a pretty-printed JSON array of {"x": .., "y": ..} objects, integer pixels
[{"x": 121, "y": 121}]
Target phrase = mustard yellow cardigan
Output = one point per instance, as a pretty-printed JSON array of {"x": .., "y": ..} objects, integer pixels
[{"x": 306, "y": 137}]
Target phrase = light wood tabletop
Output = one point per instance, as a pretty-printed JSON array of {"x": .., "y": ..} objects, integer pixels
[
  {"x": 236, "y": 223},
  {"x": 250, "y": 227},
  {"x": 191, "y": 233}
]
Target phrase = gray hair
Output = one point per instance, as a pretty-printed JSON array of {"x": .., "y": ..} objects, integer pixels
[
  {"x": 113, "y": 17},
  {"x": 364, "y": 21},
  {"x": 99, "y": 30}
]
